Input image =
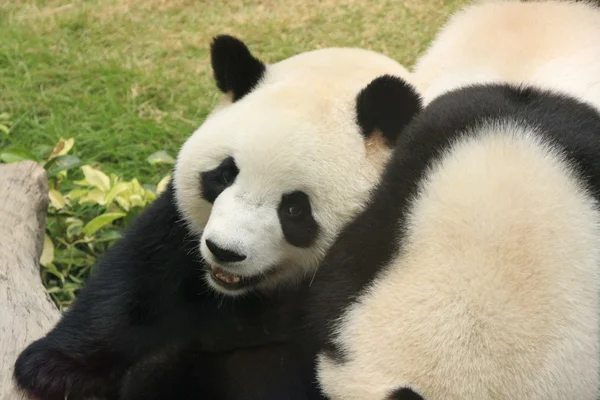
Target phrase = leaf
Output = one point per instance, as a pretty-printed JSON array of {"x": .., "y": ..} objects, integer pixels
[
  {"x": 149, "y": 197},
  {"x": 136, "y": 200},
  {"x": 57, "y": 199},
  {"x": 96, "y": 178},
  {"x": 115, "y": 191},
  {"x": 71, "y": 287},
  {"x": 123, "y": 203},
  {"x": 61, "y": 163},
  {"x": 48, "y": 252},
  {"x": 94, "y": 196},
  {"x": 51, "y": 268},
  {"x": 5, "y": 123},
  {"x": 73, "y": 221},
  {"x": 77, "y": 193},
  {"x": 160, "y": 157},
  {"x": 74, "y": 227},
  {"x": 109, "y": 235},
  {"x": 16, "y": 154},
  {"x": 70, "y": 256},
  {"x": 84, "y": 271},
  {"x": 135, "y": 187},
  {"x": 82, "y": 182},
  {"x": 162, "y": 185},
  {"x": 61, "y": 175},
  {"x": 101, "y": 221},
  {"x": 62, "y": 148},
  {"x": 85, "y": 240}
]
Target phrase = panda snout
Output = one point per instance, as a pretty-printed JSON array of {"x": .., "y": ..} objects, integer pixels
[{"x": 222, "y": 254}]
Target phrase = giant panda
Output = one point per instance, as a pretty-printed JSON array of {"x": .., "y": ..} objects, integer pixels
[
  {"x": 473, "y": 272},
  {"x": 552, "y": 44},
  {"x": 199, "y": 298}
]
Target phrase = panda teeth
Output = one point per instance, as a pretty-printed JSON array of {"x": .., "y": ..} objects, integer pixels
[{"x": 225, "y": 277}]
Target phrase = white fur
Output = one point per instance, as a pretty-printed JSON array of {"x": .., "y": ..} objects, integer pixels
[
  {"x": 552, "y": 44},
  {"x": 494, "y": 294},
  {"x": 295, "y": 131}
]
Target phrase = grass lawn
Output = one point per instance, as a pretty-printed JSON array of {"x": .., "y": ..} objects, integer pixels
[{"x": 127, "y": 78}]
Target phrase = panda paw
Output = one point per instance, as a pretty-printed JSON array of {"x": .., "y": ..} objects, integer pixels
[
  {"x": 46, "y": 373},
  {"x": 169, "y": 375}
]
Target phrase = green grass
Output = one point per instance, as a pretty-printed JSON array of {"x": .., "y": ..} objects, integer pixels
[{"x": 126, "y": 78}]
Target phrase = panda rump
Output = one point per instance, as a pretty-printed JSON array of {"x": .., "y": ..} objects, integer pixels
[{"x": 473, "y": 272}]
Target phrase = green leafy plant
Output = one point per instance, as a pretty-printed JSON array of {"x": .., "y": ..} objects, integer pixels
[
  {"x": 5, "y": 123},
  {"x": 88, "y": 210}
]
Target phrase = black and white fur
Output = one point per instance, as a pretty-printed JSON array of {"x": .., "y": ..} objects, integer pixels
[
  {"x": 199, "y": 299},
  {"x": 473, "y": 272},
  {"x": 267, "y": 182},
  {"x": 549, "y": 43}
]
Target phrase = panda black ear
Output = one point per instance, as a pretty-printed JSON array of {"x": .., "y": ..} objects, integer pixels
[
  {"x": 235, "y": 69},
  {"x": 386, "y": 105}
]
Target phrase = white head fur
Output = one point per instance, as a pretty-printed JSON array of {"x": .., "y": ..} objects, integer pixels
[{"x": 290, "y": 128}]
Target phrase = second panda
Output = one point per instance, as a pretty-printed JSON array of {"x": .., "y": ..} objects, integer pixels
[{"x": 473, "y": 272}]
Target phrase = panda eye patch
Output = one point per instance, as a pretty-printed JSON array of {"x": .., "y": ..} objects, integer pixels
[
  {"x": 213, "y": 182},
  {"x": 297, "y": 222}
]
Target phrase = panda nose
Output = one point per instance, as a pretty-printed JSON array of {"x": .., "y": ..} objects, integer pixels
[{"x": 222, "y": 254}]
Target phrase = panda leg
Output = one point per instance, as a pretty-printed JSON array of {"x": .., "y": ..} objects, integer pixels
[
  {"x": 171, "y": 374},
  {"x": 272, "y": 372}
]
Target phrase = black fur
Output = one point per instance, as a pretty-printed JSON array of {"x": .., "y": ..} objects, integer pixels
[
  {"x": 213, "y": 182},
  {"x": 386, "y": 105},
  {"x": 405, "y": 394},
  {"x": 148, "y": 294},
  {"x": 299, "y": 230},
  {"x": 234, "y": 375},
  {"x": 235, "y": 69},
  {"x": 366, "y": 246},
  {"x": 147, "y": 314}
]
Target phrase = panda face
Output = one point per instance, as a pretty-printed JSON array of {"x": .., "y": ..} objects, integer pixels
[
  {"x": 258, "y": 225},
  {"x": 267, "y": 197},
  {"x": 269, "y": 179}
]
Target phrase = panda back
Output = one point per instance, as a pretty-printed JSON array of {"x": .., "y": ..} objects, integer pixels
[
  {"x": 491, "y": 289},
  {"x": 550, "y": 43}
]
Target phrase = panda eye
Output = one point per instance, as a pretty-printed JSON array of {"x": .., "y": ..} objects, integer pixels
[
  {"x": 227, "y": 176},
  {"x": 295, "y": 206},
  {"x": 293, "y": 210}
]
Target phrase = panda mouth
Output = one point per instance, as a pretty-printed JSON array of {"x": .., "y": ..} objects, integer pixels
[{"x": 230, "y": 281}]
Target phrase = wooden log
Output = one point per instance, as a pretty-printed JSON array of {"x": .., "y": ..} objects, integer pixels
[{"x": 26, "y": 310}]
